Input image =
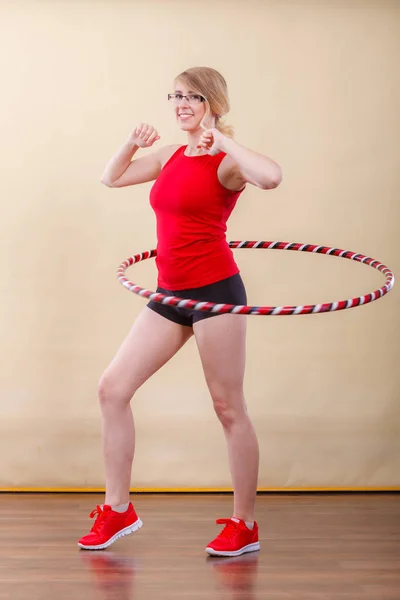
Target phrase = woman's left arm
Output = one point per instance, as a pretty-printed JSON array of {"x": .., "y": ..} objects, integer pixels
[
  {"x": 250, "y": 166},
  {"x": 255, "y": 168}
]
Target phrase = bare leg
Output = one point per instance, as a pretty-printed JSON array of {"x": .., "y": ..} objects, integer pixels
[
  {"x": 152, "y": 341},
  {"x": 221, "y": 344}
]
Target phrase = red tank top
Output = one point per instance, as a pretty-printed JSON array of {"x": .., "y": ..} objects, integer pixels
[{"x": 192, "y": 208}]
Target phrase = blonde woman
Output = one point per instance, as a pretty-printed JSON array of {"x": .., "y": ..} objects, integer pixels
[{"x": 196, "y": 188}]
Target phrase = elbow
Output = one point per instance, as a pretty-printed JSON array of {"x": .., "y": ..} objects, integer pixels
[
  {"x": 107, "y": 182},
  {"x": 272, "y": 181},
  {"x": 275, "y": 182}
]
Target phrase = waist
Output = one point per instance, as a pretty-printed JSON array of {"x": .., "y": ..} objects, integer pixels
[{"x": 195, "y": 265}]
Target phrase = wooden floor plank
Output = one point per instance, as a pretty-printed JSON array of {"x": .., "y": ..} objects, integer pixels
[{"x": 313, "y": 547}]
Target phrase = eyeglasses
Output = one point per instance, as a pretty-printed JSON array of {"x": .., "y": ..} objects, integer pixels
[{"x": 191, "y": 98}]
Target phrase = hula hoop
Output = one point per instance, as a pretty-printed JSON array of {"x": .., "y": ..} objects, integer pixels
[{"x": 211, "y": 307}]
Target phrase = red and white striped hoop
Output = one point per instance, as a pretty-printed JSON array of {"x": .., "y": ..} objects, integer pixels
[{"x": 194, "y": 304}]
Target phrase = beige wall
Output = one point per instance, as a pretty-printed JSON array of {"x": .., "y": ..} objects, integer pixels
[{"x": 315, "y": 85}]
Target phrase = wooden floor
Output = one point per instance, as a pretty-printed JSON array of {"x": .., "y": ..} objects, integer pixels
[{"x": 313, "y": 547}]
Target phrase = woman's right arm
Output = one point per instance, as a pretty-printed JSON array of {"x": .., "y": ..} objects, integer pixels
[{"x": 123, "y": 171}]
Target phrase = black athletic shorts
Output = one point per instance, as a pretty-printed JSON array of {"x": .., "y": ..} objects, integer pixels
[{"x": 227, "y": 291}]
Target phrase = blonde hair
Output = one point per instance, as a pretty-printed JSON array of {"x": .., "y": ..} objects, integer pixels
[{"x": 210, "y": 84}]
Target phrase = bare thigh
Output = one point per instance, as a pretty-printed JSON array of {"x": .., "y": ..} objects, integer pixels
[
  {"x": 152, "y": 342},
  {"x": 221, "y": 342}
]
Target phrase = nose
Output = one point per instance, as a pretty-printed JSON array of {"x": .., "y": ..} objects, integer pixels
[{"x": 184, "y": 102}]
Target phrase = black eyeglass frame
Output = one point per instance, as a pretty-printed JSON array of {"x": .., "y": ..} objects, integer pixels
[{"x": 187, "y": 96}]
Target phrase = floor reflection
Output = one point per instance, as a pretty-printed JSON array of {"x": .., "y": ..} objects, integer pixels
[
  {"x": 113, "y": 575},
  {"x": 237, "y": 574}
]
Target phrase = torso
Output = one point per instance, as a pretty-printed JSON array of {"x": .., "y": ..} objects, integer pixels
[{"x": 192, "y": 206}]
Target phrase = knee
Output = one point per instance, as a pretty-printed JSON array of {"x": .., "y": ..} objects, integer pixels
[
  {"x": 229, "y": 407},
  {"x": 111, "y": 393}
]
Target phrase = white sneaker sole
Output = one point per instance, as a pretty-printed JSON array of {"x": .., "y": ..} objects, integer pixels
[
  {"x": 130, "y": 529},
  {"x": 249, "y": 548}
]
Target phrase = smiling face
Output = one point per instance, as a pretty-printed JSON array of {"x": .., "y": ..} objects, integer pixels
[
  {"x": 191, "y": 114},
  {"x": 190, "y": 111}
]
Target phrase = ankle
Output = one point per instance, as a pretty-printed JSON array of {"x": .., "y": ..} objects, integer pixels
[
  {"x": 120, "y": 508},
  {"x": 247, "y": 519},
  {"x": 116, "y": 501}
]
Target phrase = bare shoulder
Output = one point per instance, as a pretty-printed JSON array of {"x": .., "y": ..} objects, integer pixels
[
  {"x": 165, "y": 153},
  {"x": 229, "y": 174}
]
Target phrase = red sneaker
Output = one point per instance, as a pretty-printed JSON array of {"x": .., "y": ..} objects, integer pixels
[
  {"x": 236, "y": 538},
  {"x": 109, "y": 526}
]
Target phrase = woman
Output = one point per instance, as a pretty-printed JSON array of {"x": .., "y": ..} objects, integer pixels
[{"x": 196, "y": 188}]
